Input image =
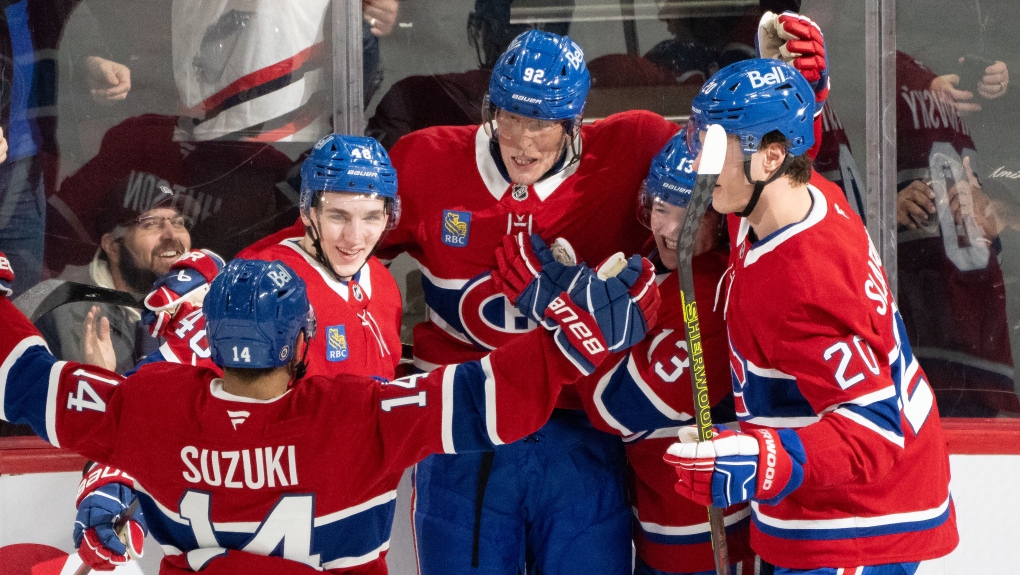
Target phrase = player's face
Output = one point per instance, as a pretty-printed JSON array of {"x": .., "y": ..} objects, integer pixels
[
  {"x": 529, "y": 147},
  {"x": 349, "y": 227},
  {"x": 732, "y": 190},
  {"x": 665, "y": 220},
  {"x": 153, "y": 243}
]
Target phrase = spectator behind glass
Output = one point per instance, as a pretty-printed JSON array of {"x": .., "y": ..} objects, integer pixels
[
  {"x": 455, "y": 99},
  {"x": 239, "y": 189},
  {"x": 145, "y": 234},
  {"x": 951, "y": 288},
  {"x": 27, "y": 91}
]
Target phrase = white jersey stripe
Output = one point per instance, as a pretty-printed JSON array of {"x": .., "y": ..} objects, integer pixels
[
  {"x": 490, "y": 402},
  {"x": 448, "y": 374}
]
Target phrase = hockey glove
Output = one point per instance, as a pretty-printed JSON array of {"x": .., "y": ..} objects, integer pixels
[
  {"x": 6, "y": 276},
  {"x": 605, "y": 313},
  {"x": 797, "y": 40},
  {"x": 733, "y": 467},
  {"x": 100, "y": 508},
  {"x": 187, "y": 281},
  {"x": 530, "y": 275}
]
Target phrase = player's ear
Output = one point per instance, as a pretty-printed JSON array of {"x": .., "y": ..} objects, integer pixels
[{"x": 773, "y": 155}]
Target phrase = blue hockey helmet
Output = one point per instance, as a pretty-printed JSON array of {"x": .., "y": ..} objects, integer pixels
[
  {"x": 350, "y": 165},
  {"x": 670, "y": 178},
  {"x": 254, "y": 312},
  {"x": 541, "y": 75},
  {"x": 752, "y": 98}
]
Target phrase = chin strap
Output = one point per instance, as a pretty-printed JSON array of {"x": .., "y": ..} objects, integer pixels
[
  {"x": 759, "y": 185},
  {"x": 300, "y": 368}
]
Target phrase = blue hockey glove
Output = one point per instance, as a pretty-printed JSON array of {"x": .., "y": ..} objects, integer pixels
[
  {"x": 733, "y": 467},
  {"x": 530, "y": 275},
  {"x": 606, "y": 311},
  {"x": 6, "y": 276},
  {"x": 187, "y": 282},
  {"x": 99, "y": 545}
]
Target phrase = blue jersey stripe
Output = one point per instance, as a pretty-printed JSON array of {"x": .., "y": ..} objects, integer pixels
[
  {"x": 628, "y": 404},
  {"x": 469, "y": 409},
  {"x": 879, "y": 526},
  {"x": 774, "y": 397},
  {"x": 26, "y": 385},
  {"x": 701, "y": 536},
  {"x": 352, "y": 536}
]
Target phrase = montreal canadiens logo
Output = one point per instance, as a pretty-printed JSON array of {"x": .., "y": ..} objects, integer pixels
[{"x": 488, "y": 318}]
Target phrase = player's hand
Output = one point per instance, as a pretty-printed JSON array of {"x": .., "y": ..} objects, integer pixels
[
  {"x": 6, "y": 276},
  {"x": 733, "y": 467},
  {"x": 3, "y": 147},
  {"x": 99, "y": 510},
  {"x": 797, "y": 40},
  {"x": 915, "y": 204},
  {"x": 187, "y": 282},
  {"x": 601, "y": 314},
  {"x": 97, "y": 345},
  {"x": 381, "y": 15},
  {"x": 107, "y": 81},
  {"x": 530, "y": 276}
]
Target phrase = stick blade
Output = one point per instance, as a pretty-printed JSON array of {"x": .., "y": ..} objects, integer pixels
[{"x": 713, "y": 152}]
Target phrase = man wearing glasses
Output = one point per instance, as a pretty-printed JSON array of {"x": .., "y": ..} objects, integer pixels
[{"x": 145, "y": 234}]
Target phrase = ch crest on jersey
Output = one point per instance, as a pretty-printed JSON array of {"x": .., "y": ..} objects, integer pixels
[
  {"x": 488, "y": 318},
  {"x": 456, "y": 228},
  {"x": 336, "y": 343}
]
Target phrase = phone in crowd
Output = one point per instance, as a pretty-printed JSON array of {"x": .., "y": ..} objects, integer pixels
[{"x": 972, "y": 69}]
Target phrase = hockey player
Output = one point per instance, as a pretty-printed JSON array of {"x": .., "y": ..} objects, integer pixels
[
  {"x": 840, "y": 452},
  {"x": 254, "y": 472},
  {"x": 529, "y": 167},
  {"x": 645, "y": 396},
  {"x": 348, "y": 202}
]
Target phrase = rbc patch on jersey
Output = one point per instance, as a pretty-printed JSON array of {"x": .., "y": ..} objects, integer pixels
[
  {"x": 336, "y": 343},
  {"x": 456, "y": 227}
]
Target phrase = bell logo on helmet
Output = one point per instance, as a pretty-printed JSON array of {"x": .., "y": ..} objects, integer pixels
[
  {"x": 279, "y": 276},
  {"x": 576, "y": 58},
  {"x": 758, "y": 79}
]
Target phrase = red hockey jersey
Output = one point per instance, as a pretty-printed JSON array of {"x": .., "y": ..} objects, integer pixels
[
  {"x": 308, "y": 476},
  {"x": 817, "y": 345},
  {"x": 357, "y": 322},
  {"x": 456, "y": 208},
  {"x": 646, "y": 397}
]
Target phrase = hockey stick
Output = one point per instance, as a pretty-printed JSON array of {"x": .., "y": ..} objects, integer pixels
[
  {"x": 48, "y": 295},
  {"x": 118, "y": 528},
  {"x": 712, "y": 155}
]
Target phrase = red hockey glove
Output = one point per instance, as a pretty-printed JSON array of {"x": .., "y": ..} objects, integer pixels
[
  {"x": 6, "y": 276},
  {"x": 187, "y": 281},
  {"x": 605, "y": 313},
  {"x": 530, "y": 275},
  {"x": 733, "y": 467},
  {"x": 796, "y": 39},
  {"x": 103, "y": 540}
]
